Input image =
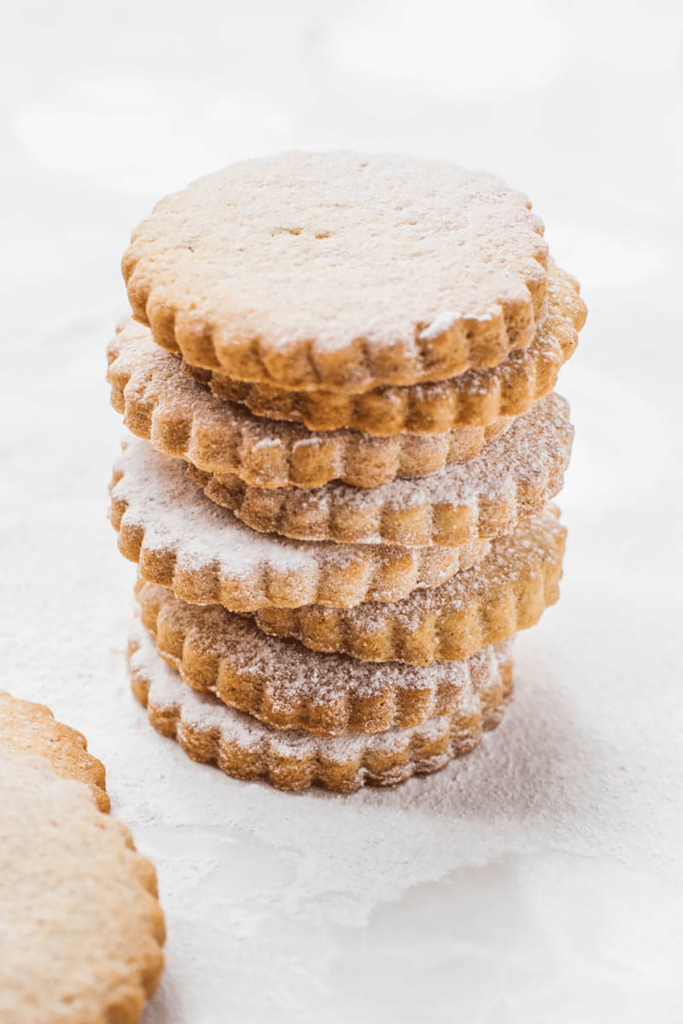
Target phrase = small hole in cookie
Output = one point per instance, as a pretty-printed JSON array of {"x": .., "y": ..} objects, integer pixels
[
  {"x": 287, "y": 231},
  {"x": 323, "y": 234}
]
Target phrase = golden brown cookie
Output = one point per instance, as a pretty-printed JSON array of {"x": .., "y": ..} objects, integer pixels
[
  {"x": 508, "y": 591},
  {"x": 288, "y": 686},
  {"x": 339, "y": 271},
  {"x": 473, "y": 399},
  {"x": 509, "y": 482},
  {"x": 31, "y": 729},
  {"x": 81, "y": 929},
  {"x": 181, "y": 418},
  {"x": 184, "y": 541},
  {"x": 290, "y": 759}
]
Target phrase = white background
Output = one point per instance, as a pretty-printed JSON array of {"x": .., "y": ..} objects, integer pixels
[{"x": 539, "y": 880}]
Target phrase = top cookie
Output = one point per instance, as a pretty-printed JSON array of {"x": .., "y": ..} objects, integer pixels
[{"x": 339, "y": 271}]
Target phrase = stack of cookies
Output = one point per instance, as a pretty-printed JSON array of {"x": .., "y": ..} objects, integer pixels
[{"x": 339, "y": 374}]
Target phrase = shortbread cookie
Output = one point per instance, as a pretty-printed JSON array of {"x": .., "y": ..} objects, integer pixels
[
  {"x": 245, "y": 748},
  {"x": 476, "y": 398},
  {"x": 184, "y": 541},
  {"x": 339, "y": 271},
  {"x": 508, "y": 591},
  {"x": 31, "y": 729},
  {"x": 510, "y": 481},
  {"x": 81, "y": 929},
  {"x": 288, "y": 686},
  {"x": 181, "y": 418}
]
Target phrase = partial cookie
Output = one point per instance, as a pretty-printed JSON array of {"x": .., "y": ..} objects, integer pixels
[
  {"x": 31, "y": 729},
  {"x": 181, "y": 418},
  {"x": 340, "y": 272},
  {"x": 184, "y": 541},
  {"x": 80, "y": 925},
  {"x": 245, "y": 748},
  {"x": 505, "y": 593},
  {"x": 287, "y": 686},
  {"x": 474, "y": 399},
  {"x": 509, "y": 482}
]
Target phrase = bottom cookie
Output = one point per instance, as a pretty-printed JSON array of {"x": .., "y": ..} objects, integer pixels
[{"x": 245, "y": 748}]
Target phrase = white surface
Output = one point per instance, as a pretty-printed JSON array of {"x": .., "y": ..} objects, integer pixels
[{"x": 538, "y": 880}]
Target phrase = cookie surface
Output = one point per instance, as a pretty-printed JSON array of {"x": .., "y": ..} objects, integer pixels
[
  {"x": 31, "y": 729},
  {"x": 162, "y": 404},
  {"x": 245, "y": 748},
  {"x": 476, "y": 398},
  {"x": 508, "y": 591},
  {"x": 340, "y": 271},
  {"x": 183, "y": 540},
  {"x": 509, "y": 482},
  {"x": 288, "y": 686},
  {"x": 80, "y": 926}
]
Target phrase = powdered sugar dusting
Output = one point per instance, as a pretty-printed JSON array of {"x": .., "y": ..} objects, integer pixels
[
  {"x": 439, "y": 325},
  {"x": 362, "y": 247},
  {"x": 534, "y": 541},
  {"x": 177, "y": 518},
  {"x": 295, "y": 673},
  {"x": 206, "y": 712},
  {"x": 477, "y": 395},
  {"x": 523, "y": 455},
  {"x": 174, "y": 513},
  {"x": 161, "y": 402}
]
